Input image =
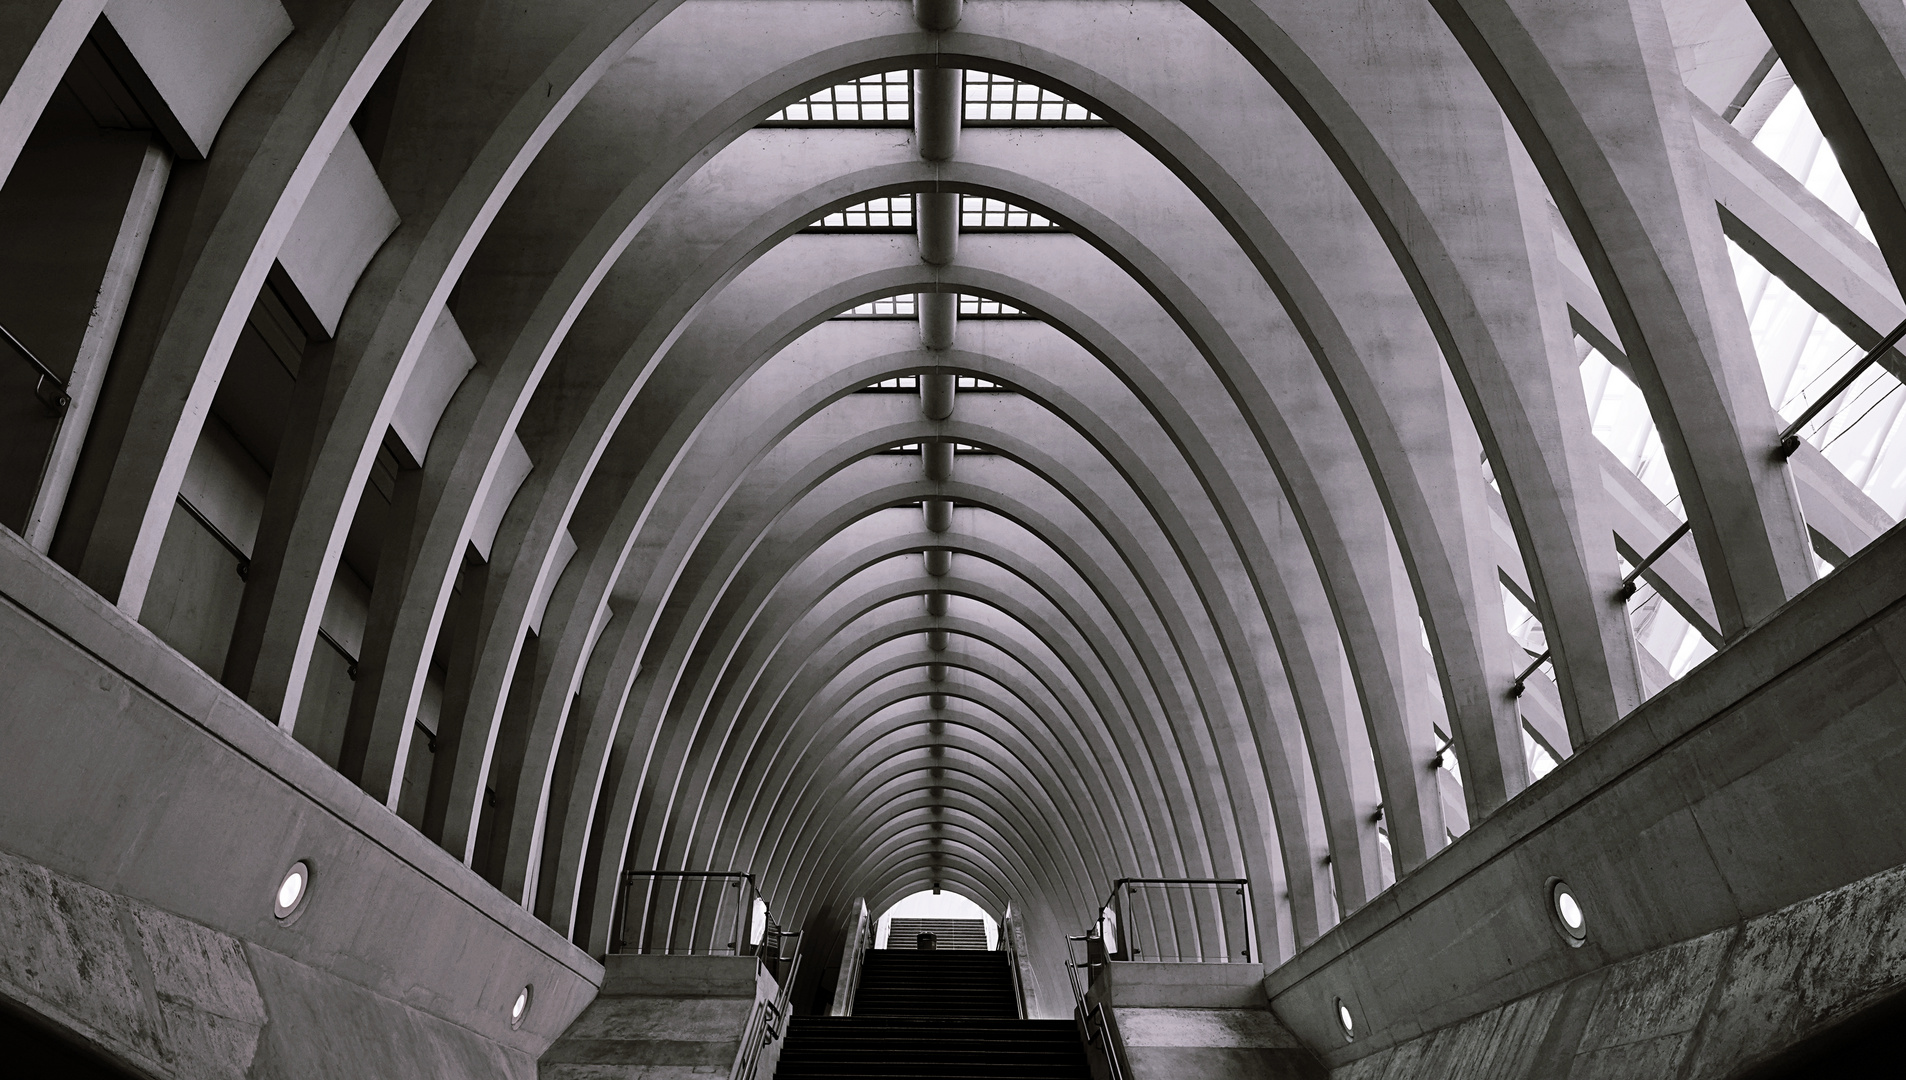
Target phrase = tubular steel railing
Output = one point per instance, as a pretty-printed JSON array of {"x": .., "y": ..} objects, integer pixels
[
  {"x": 1182, "y": 920},
  {"x": 687, "y": 913},
  {"x": 50, "y": 389},
  {"x": 1094, "y": 1029},
  {"x": 768, "y": 1025}
]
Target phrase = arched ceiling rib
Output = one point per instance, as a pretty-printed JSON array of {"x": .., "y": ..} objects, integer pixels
[{"x": 1226, "y": 566}]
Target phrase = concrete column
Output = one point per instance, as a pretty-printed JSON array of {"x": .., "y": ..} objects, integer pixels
[
  {"x": 936, "y": 15},
  {"x": 937, "y": 314},
  {"x": 936, "y": 395},
  {"x": 936, "y": 112},
  {"x": 938, "y": 458},
  {"x": 936, "y": 672},
  {"x": 939, "y": 562},
  {"x": 96, "y": 347},
  {"x": 936, "y": 218},
  {"x": 939, "y": 514},
  {"x": 937, "y": 638},
  {"x": 936, "y": 604}
]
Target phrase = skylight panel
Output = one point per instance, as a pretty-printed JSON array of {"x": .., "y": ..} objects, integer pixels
[
  {"x": 883, "y": 99},
  {"x": 892, "y": 214},
  {"x": 887, "y": 307},
  {"x": 909, "y": 384},
  {"x": 982, "y": 307},
  {"x": 979, "y": 212},
  {"x": 1002, "y": 99}
]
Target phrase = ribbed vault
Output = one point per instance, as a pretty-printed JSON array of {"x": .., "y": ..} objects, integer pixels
[{"x": 1213, "y": 584}]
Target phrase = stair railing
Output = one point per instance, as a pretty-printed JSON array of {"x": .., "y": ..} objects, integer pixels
[
  {"x": 768, "y": 1026},
  {"x": 1009, "y": 944},
  {"x": 49, "y": 388},
  {"x": 1094, "y": 1029},
  {"x": 1178, "y": 920},
  {"x": 686, "y": 913},
  {"x": 860, "y": 938}
]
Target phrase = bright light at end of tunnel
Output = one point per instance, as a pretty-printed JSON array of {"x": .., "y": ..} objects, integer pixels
[{"x": 943, "y": 905}]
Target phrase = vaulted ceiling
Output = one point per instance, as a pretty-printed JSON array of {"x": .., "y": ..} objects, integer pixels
[{"x": 1178, "y": 544}]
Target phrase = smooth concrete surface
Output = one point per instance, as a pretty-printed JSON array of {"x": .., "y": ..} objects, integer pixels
[
  {"x": 1708, "y": 1008},
  {"x": 146, "y": 832},
  {"x": 1701, "y": 825},
  {"x": 198, "y": 55},
  {"x": 1175, "y": 1020},
  {"x": 1293, "y": 421},
  {"x": 663, "y": 1017}
]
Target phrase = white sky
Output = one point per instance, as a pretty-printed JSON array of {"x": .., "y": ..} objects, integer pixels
[{"x": 925, "y": 905}]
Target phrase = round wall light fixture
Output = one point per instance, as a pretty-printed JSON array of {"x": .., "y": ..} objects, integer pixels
[
  {"x": 1345, "y": 1021},
  {"x": 1570, "y": 920},
  {"x": 519, "y": 1009},
  {"x": 292, "y": 890}
]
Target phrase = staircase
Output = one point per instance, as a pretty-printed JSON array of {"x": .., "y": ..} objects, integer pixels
[
  {"x": 933, "y": 1014},
  {"x": 928, "y": 982}
]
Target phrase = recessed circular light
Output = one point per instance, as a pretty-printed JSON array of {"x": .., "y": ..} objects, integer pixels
[
  {"x": 520, "y": 1007},
  {"x": 1570, "y": 920},
  {"x": 292, "y": 890},
  {"x": 1345, "y": 1021}
]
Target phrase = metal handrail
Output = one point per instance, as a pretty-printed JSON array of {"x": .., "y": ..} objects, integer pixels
[
  {"x": 350, "y": 662},
  {"x": 58, "y": 402},
  {"x": 1789, "y": 441},
  {"x": 218, "y": 534},
  {"x": 744, "y": 910},
  {"x": 1090, "y": 1016},
  {"x": 1243, "y": 886},
  {"x": 767, "y": 1026}
]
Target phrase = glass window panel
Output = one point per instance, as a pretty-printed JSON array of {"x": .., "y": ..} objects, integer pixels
[
  {"x": 992, "y": 98},
  {"x": 886, "y": 98}
]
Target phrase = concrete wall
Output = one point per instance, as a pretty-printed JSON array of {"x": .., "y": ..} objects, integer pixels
[
  {"x": 1703, "y": 1009},
  {"x": 1175, "y": 1020},
  {"x": 665, "y": 1016},
  {"x": 1698, "y": 834},
  {"x": 148, "y": 817}
]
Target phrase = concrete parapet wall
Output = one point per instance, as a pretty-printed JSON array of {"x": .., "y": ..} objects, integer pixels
[
  {"x": 1144, "y": 984},
  {"x": 1698, "y": 834},
  {"x": 1174, "y": 1021},
  {"x": 1703, "y": 1009},
  {"x": 147, "y": 816},
  {"x": 664, "y": 1016}
]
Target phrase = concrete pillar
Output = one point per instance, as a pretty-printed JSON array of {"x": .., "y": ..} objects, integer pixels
[
  {"x": 936, "y": 395},
  {"x": 939, "y": 514},
  {"x": 937, "y": 638},
  {"x": 936, "y": 701},
  {"x": 936, "y": 15},
  {"x": 936, "y": 112},
  {"x": 936, "y": 219},
  {"x": 937, "y": 314},
  {"x": 936, "y": 673},
  {"x": 937, "y": 456},
  {"x": 936, "y": 604},
  {"x": 939, "y": 562}
]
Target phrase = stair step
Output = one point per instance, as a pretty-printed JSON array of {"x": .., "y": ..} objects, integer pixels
[{"x": 945, "y": 1015}]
